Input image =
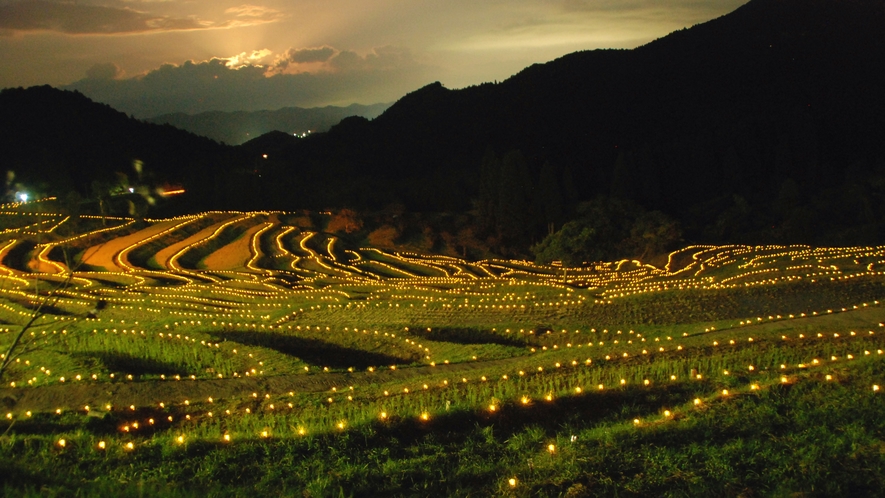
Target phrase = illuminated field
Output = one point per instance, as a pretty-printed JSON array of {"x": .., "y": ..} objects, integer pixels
[{"x": 243, "y": 328}]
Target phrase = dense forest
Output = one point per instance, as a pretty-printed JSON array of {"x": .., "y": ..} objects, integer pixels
[{"x": 762, "y": 126}]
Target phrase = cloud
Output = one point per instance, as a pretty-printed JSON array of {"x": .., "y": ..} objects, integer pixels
[
  {"x": 27, "y": 16},
  {"x": 247, "y": 10},
  {"x": 248, "y": 59},
  {"x": 106, "y": 71},
  {"x": 379, "y": 59},
  {"x": 328, "y": 59},
  {"x": 382, "y": 75},
  {"x": 303, "y": 55}
]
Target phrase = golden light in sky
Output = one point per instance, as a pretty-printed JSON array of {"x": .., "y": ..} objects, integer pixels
[{"x": 321, "y": 52}]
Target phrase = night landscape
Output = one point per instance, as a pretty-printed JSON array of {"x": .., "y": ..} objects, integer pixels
[{"x": 584, "y": 248}]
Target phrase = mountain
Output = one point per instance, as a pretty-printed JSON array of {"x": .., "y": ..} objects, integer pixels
[
  {"x": 767, "y": 121},
  {"x": 764, "y": 125},
  {"x": 235, "y": 128},
  {"x": 60, "y": 142}
]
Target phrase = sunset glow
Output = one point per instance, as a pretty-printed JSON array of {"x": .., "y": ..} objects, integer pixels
[{"x": 149, "y": 58}]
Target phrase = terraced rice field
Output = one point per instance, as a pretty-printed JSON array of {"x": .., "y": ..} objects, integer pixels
[{"x": 224, "y": 328}]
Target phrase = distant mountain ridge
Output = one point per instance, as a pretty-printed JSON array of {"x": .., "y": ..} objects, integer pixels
[
  {"x": 766, "y": 119},
  {"x": 237, "y": 127},
  {"x": 58, "y": 142}
]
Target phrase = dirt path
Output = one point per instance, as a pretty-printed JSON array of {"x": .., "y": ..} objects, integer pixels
[
  {"x": 164, "y": 255},
  {"x": 7, "y": 246},
  {"x": 40, "y": 262},
  {"x": 104, "y": 255},
  {"x": 235, "y": 255}
]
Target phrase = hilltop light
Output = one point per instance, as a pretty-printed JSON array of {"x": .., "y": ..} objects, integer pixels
[{"x": 22, "y": 196}]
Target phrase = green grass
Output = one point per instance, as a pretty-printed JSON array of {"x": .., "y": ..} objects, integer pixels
[
  {"x": 811, "y": 437},
  {"x": 377, "y": 383}
]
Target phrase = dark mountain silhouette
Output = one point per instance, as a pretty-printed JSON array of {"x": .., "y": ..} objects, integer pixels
[
  {"x": 764, "y": 125},
  {"x": 770, "y": 116},
  {"x": 235, "y": 128},
  {"x": 57, "y": 142}
]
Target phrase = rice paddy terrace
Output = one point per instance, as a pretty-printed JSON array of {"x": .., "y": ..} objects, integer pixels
[{"x": 227, "y": 328}]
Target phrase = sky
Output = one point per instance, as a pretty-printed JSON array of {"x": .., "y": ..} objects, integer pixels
[{"x": 150, "y": 57}]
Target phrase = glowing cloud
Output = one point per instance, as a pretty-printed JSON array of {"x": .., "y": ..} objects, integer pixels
[
  {"x": 34, "y": 16},
  {"x": 247, "y": 10},
  {"x": 247, "y": 59},
  {"x": 247, "y": 82}
]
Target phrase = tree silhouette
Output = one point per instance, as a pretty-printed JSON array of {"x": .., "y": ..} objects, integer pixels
[
  {"x": 550, "y": 197},
  {"x": 514, "y": 197}
]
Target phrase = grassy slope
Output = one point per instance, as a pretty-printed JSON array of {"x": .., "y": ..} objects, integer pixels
[
  {"x": 800, "y": 415},
  {"x": 811, "y": 437}
]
